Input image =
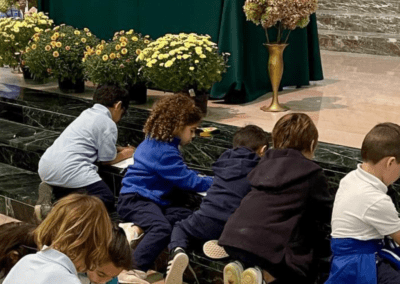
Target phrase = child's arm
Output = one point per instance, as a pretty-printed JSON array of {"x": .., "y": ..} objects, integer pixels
[
  {"x": 396, "y": 237},
  {"x": 122, "y": 154},
  {"x": 172, "y": 168}
]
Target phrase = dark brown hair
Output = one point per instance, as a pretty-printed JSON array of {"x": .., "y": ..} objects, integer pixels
[
  {"x": 15, "y": 236},
  {"x": 169, "y": 114},
  {"x": 251, "y": 136},
  {"x": 119, "y": 250},
  {"x": 295, "y": 131},
  {"x": 381, "y": 141},
  {"x": 78, "y": 226},
  {"x": 110, "y": 95}
]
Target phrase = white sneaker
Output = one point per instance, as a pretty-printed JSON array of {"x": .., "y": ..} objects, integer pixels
[
  {"x": 176, "y": 266},
  {"x": 233, "y": 273},
  {"x": 252, "y": 275},
  {"x": 134, "y": 233},
  {"x": 213, "y": 250},
  {"x": 133, "y": 276}
]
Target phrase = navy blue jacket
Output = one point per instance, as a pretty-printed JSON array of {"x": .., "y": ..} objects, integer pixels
[
  {"x": 158, "y": 167},
  {"x": 230, "y": 183}
]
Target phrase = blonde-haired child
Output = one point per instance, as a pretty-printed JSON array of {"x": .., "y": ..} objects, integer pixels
[
  {"x": 75, "y": 237},
  {"x": 158, "y": 168}
]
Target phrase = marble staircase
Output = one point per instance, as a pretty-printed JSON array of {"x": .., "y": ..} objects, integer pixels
[{"x": 361, "y": 26}]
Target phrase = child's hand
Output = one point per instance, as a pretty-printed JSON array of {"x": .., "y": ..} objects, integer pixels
[{"x": 127, "y": 152}]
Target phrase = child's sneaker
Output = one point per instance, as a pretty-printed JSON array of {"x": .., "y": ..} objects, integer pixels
[
  {"x": 176, "y": 266},
  {"x": 252, "y": 275},
  {"x": 233, "y": 273},
  {"x": 213, "y": 250},
  {"x": 134, "y": 233},
  {"x": 132, "y": 276}
]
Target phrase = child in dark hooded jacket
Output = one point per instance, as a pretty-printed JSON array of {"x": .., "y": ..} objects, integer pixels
[
  {"x": 224, "y": 196},
  {"x": 274, "y": 230}
]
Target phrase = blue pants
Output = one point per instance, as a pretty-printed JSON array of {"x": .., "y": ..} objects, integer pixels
[
  {"x": 196, "y": 226},
  {"x": 157, "y": 223}
]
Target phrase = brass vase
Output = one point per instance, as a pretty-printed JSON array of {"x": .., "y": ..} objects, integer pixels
[{"x": 275, "y": 70}]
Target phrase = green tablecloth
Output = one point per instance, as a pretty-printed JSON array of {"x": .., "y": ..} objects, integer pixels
[{"x": 223, "y": 20}]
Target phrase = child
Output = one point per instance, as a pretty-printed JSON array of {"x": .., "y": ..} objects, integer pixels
[
  {"x": 229, "y": 187},
  {"x": 159, "y": 167},
  {"x": 74, "y": 237},
  {"x": 68, "y": 165},
  {"x": 363, "y": 213},
  {"x": 274, "y": 227},
  {"x": 17, "y": 240}
]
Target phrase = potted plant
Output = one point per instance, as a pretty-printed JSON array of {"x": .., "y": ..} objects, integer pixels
[
  {"x": 181, "y": 62},
  {"x": 15, "y": 34},
  {"x": 59, "y": 53},
  {"x": 114, "y": 63},
  {"x": 281, "y": 15}
]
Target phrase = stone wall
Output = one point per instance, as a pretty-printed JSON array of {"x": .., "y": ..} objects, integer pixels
[{"x": 361, "y": 26}]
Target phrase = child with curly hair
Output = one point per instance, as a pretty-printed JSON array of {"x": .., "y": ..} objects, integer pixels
[{"x": 158, "y": 168}]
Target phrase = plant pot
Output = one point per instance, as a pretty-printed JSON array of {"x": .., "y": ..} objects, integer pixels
[
  {"x": 26, "y": 73},
  {"x": 200, "y": 99},
  {"x": 67, "y": 86},
  {"x": 138, "y": 93}
]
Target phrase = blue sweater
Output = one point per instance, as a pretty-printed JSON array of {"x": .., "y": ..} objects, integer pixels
[{"x": 159, "y": 167}]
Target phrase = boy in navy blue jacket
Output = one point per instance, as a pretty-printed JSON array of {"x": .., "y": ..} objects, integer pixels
[{"x": 224, "y": 196}]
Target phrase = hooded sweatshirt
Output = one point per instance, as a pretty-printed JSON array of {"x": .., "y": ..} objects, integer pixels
[
  {"x": 277, "y": 219},
  {"x": 230, "y": 183}
]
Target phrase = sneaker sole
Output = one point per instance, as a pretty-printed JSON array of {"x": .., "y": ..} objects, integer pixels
[
  {"x": 252, "y": 276},
  {"x": 232, "y": 273},
  {"x": 178, "y": 266},
  {"x": 212, "y": 250}
]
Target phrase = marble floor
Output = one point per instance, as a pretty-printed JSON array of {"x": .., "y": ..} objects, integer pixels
[{"x": 358, "y": 92}]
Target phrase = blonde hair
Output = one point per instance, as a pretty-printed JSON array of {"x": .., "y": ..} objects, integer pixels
[{"x": 79, "y": 227}]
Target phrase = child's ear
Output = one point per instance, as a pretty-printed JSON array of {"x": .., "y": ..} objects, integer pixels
[
  {"x": 261, "y": 151},
  {"x": 391, "y": 161},
  {"x": 313, "y": 146},
  {"x": 118, "y": 105},
  {"x": 14, "y": 256}
]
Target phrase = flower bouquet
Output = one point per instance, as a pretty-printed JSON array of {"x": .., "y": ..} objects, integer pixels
[
  {"x": 16, "y": 33},
  {"x": 114, "y": 63},
  {"x": 59, "y": 53}
]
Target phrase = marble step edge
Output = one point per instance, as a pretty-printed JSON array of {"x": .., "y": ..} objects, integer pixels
[
  {"x": 360, "y": 42},
  {"x": 367, "y": 22},
  {"x": 363, "y": 6}
]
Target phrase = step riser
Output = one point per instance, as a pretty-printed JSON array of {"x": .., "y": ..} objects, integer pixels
[{"x": 361, "y": 6}]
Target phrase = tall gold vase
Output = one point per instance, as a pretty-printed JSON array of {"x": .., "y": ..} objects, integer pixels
[{"x": 275, "y": 70}]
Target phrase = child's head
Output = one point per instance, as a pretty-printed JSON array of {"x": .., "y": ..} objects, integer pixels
[
  {"x": 173, "y": 116},
  {"x": 252, "y": 137},
  {"x": 381, "y": 148},
  {"x": 295, "y": 131},
  {"x": 115, "y": 98},
  {"x": 78, "y": 226},
  {"x": 119, "y": 258},
  {"x": 16, "y": 241}
]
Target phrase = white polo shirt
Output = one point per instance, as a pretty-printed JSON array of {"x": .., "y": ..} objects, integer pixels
[
  {"x": 44, "y": 267},
  {"x": 91, "y": 137},
  {"x": 362, "y": 210}
]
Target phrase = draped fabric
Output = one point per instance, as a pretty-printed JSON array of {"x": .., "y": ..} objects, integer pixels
[{"x": 224, "y": 20}]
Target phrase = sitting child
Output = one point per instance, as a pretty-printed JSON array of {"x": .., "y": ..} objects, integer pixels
[
  {"x": 224, "y": 196},
  {"x": 74, "y": 238},
  {"x": 158, "y": 168},
  {"x": 68, "y": 165},
  {"x": 17, "y": 240},
  {"x": 363, "y": 213},
  {"x": 273, "y": 230}
]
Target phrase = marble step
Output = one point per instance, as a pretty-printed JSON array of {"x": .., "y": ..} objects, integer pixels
[
  {"x": 361, "y": 6},
  {"x": 360, "y": 42},
  {"x": 371, "y": 22}
]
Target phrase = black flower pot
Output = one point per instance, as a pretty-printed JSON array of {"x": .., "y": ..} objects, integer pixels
[
  {"x": 67, "y": 86},
  {"x": 201, "y": 101},
  {"x": 138, "y": 93},
  {"x": 26, "y": 73}
]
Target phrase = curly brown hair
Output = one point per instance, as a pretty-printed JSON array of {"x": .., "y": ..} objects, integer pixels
[{"x": 170, "y": 114}]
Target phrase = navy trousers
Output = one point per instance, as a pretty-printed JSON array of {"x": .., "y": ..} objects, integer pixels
[
  {"x": 195, "y": 227},
  {"x": 99, "y": 189},
  {"x": 157, "y": 223}
]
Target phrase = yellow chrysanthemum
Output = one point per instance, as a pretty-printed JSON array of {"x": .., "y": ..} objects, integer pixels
[
  {"x": 112, "y": 55},
  {"x": 134, "y": 38},
  {"x": 67, "y": 48},
  {"x": 209, "y": 49},
  {"x": 83, "y": 40},
  {"x": 149, "y": 65},
  {"x": 56, "y": 54},
  {"x": 123, "y": 44},
  {"x": 47, "y": 48},
  {"x": 27, "y": 49},
  {"x": 56, "y": 34},
  {"x": 77, "y": 32},
  {"x": 83, "y": 59},
  {"x": 129, "y": 32},
  {"x": 179, "y": 57},
  {"x": 103, "y": 41},
  {"x": 117, "y": 47},
  {"x": 36, "y": 29},
  {"x": 89, "y": 34},
  {"x": 36, "y": 39},
  {"x": 98, "y": 52},
  {"x": 105, "y": 57},
  {"x": 202, "y": 56},
  {"x": 124, "y": 51},
  {"x": 138, "y": 51},
  {"x": 86, "y": 29},
  {"x": 53, "y": 38},
  {"x": 196, "y": 61},
  {"x": 118, "y": 55},
  {"x": 198, "y": 50},
  {"x": 168, "y": 63},
  {"x": 146, "y": 41},
  {"x": 171, "y": 53},
  {"x": 58, "y": 44},
  {"x": 87, "y": 47},
  {"x": 123, "y": 39},
  {"x": 191, "y": 68},
  {"x": 185, "y": 56},
  {"x": 53, "y": 43},
  {"x": 33, "y": 46},
  {"x": 101, "y": 47}
]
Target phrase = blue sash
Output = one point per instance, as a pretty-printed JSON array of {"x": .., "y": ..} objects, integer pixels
[{"x": 354, "y": 261}]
